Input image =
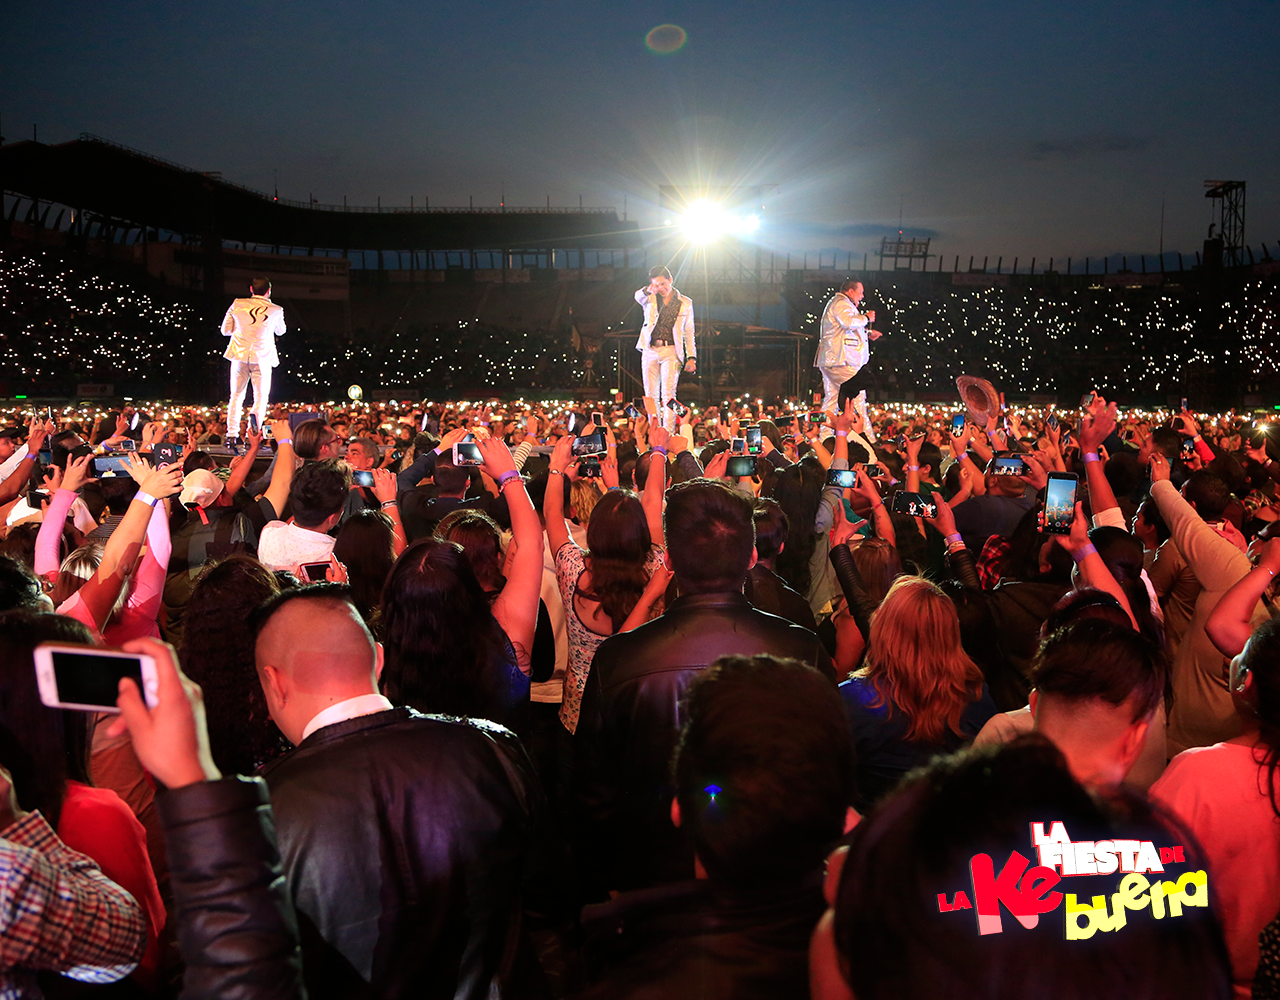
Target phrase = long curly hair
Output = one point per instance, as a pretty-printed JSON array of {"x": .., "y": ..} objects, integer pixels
[
  {"x": 444, "y": 650},
  {"x": 916, "y": 662},
  {"x": 618, "y": 543},
  {"x": 217, "y": 653}
]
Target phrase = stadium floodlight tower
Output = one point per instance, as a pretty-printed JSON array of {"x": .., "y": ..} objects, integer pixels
[{"x": 1228, "y": 197}]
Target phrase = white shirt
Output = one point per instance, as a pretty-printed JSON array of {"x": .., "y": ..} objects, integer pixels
[
  {"x": 12, "y": 462},
  {"x": 284, "y": 546},
  {"x": 352, "y": 708},
  {"x": 253, "y": 325},
  {"x": 843, "y": 334}
]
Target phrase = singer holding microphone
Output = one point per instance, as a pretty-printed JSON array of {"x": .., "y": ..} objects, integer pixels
[
  {"x": 844, "y": 345},
  {"x": 666, "y": 341}
]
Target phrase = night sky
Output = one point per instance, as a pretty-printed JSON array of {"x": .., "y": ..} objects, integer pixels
[{"x": 1000, "y": 128}]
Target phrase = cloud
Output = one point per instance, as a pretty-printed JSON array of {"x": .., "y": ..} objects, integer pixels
[{"x": 1085, "y": 145}]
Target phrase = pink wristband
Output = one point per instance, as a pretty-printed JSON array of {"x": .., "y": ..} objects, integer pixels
[{"x": 1092, "y": 456}]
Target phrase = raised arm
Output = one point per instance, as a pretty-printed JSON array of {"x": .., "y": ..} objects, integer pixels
[
  {"x": 1231, "y": 622},
  {"x": 553, "y": 499},
  {"x": 1093, "y": 570},
  {"x": 17, "y": 479},
  {"x": 1095, "y": 427},
  {"x": 47, "y": 561},
  {"x": 241, "y": 466},
  {"x": 516, "y": 608},
  {"x": 282, "y": 474},
  {"x": 655, "y": 482},
  {"x": 385, "y": 489}
]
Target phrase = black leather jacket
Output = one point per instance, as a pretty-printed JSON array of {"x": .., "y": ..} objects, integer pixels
[
  {"x": 407, "y": 841},
  {"x": 629, "y": 724},
  {"x": 236, "y": 927}
]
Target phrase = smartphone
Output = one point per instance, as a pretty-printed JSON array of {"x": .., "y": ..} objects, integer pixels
[
  {"x": 753, "y": 439},
  {"x": 597, "y": 418},
  {"x": 1188, "y": 448},
  {"x": 314, "y": 572},
  {"x": 844, "y": 478},
  {"x": 875, "y": 471},
  {"x": 957, "y": 424},
  {"x": 738, "y": 446},
  {"x": 914, "y": 504},
  {"x": 632, "y": 412},
  {"x": 268, "y": 432},
  {"x": 741, "y": 465},
  {"x": 110, "y": 463},
  {"x": 1088, "y": 399},
  {"x": 781, "y": 422},
  {"x": 128, "y": 444},
  {"x": 589, "y": 444},
  {"x": 589, "y": 467},
  {"x": 467, "y": 453},
  {"x": 1184, "y": 404},
  {"x": 165, "y": 453},
  {"x": 48, "y": 413},
  {"x": 1010, "y": 466},
  {"x": 253, "y": 422},
  {"x": 1060, "y": 503},
  {"x": 677, "y": 407},
  {"x": 46, "y": 457},
  {"x": 87, "y": 679},
  {"x": 817, "y": 417},
  {"x": 1052, "y": 422},
  {"x": 35, "y": 498},
  {"x": 362, "y": 477}
]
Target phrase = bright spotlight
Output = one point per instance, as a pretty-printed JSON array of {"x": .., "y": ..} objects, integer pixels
[{"x": 705, "y": 222}]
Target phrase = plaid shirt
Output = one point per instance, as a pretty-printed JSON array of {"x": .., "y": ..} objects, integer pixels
[
  {"x": 59, "y": 912},
  {"x": 993, "y": 552}
]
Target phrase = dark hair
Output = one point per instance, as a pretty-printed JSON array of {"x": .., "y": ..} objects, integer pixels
[
  {"x": 1263, "y": 661},
  {"x": 260, "y": 286},
  {"x": 318, "y": 491},
  {"x": 772, "y": 527},
  {"x": 849, "y": 284},
  {"x": 42, "y": 748},
  {"x": 20, "y": 544},
  {"x": 618, "y": 544},
  {"x": 481, "y": 541},
  {"x": 1168, "y": 442},
  {"x": 198, "y": 460},
  {"x": 310, "y": 436},
  {"x": 1123, "y": 555},
  {"x": 118, "y": 492},
  {"x": 19, "y": 586},
  {"x": 1149, "y": 511},
  {"x": 217, "y": 652},
  {"x": 1022, "y": 560},
  {"x": 1084, "y": 602},
  {"x": 61, "y": 448},
  {"x": 1094, "y": 658},
  {"x": 365, "y": 545},
  {"x": 895, "y": 944},
  {"x": 710, "y": 532},
  {"x": 106, "y": 427},
  {"x": 1123, "y": 473},
  {"x": 763, "y": 770},
  {"x": 1208, "y": 492},
  {"x": 444, "y": 650},
  {"x": 798, "y": 491},
  {"x": 449, "y": 478},
  {"x": 658, "y": 271}
]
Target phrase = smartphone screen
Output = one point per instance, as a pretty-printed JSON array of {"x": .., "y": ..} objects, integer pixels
[
  {"x": 589, "y": 444},
  {"x": 92, "y": 679},
  {"x": 467, "y": 453},
  {"x": 914, "y": 504},
  {"x": 1052, "y": 422},
  {"x": 753, "y": 440},
  {"x": 133, "y": 423},
  {"x": 1060, "y": 503},
  {"x": 678, "y": 407},
  {"x": 631, "y": 412},
  {"x": 741, "y": 465},
  {"x": 844, "y": 478},
  {"x": 128, "y": 444},
  {"x": 597, "y": 418},
  {"x": 110, "y": 463},
  {"x": 315, "y": 571},
  {"x": 781, "y": 422},
  {"x": 1087, "y": 399},
  {"x": 1010, "y": 466},
  {"x": 817, "y": 417},
  {"x": 957, "y": 424},
  {"x": 362, "y": 477},
  {"x": 738, "y": 446},
  {"x": 874, "y": 471},
  {"x": 589, "y": 467},
  {"x": 253, "y": 422}
]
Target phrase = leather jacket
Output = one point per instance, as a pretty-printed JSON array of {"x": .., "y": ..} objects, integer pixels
[
  {"x": 407, "y": 842},
  {"x": 236, "y": 926},
  {"x": 630, "y": 722}
]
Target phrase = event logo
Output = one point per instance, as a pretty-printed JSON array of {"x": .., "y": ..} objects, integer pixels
[{"x": 1027, "y": 892}]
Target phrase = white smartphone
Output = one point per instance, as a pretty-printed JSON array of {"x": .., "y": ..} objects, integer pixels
[{"x": 87, "y": 679}]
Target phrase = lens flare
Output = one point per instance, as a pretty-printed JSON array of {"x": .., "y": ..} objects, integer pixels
[{"x": 666, "y": 39}]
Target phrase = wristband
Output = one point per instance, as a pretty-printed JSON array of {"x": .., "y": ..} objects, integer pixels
[
  {"x": 612, "y": 488},
  {"x": 912, "y": 468},
  {"x": 280, "y": 441},
  {"x": 146, "y": 498},
  {"x": 507, "y": 476},
  {"x": 657, "y": 449},
  {"x": 1195, "y": 437},
  {"x": 517, "y": 479},
  {"x": 878, "y": 503},
  {"x": 842, "y": 434},
  {"x": 554, "y": 472},
  {"x": 1092, "y": 456},
  {"x": 388, "y": 503},
  {"x": 1082, "y": 553},
  {"x": 953, "y": 538}
]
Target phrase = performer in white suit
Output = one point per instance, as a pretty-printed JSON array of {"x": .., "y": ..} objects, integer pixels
[
  {"x": 666, "y": 342},
  {"x": 844, "y": 345},
  {"x": 253, "y": 325}
]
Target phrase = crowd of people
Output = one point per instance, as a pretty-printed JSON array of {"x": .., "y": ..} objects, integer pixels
[{"x": 537, "y": 699}]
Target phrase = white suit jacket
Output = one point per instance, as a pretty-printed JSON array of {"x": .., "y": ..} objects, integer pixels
[
  {"x": 843, "y": 339},
  {"x": 253, "y": 325},
  {"x": 681, "y": 332}
]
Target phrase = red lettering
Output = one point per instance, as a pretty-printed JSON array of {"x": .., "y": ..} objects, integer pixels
[
  {"x": 1166, "y": 855},
  {"x": 962, "y": 902},
  {"x": 943, "y": 905},
  {"x": 1177, "y": 853},
  {"x": 1024, "y": 897}
]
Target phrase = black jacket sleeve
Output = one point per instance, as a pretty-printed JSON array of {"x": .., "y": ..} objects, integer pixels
[
  {"x": 851, "y": 583},
  {"x": 236, "y": 926},
  {"x": 963, "y": 568}
]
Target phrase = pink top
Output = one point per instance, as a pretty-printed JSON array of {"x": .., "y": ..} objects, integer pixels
[
  {"x": 50, "y": 534},
  {"x": 1220, "y": 793},
  {"x": 96, "y": 822},
  {"x": 138, "y": 620}
]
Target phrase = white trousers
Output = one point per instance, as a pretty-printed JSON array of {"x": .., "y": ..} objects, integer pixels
[
  {"x": 661, "y": 368},
  {"x": 242, "y": 373},
  {"x": 833, "y": 377}
]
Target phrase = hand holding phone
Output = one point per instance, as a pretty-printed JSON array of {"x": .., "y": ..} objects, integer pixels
[
  {"x": 1060, "y": 503},
  {"x": 87, "y": 678}
]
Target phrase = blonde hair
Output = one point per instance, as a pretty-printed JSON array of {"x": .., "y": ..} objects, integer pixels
[
  {"x": 915, "y": 660},
  {"x": 76, "y": 570},
  {"x": 584, "y": 497}
]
